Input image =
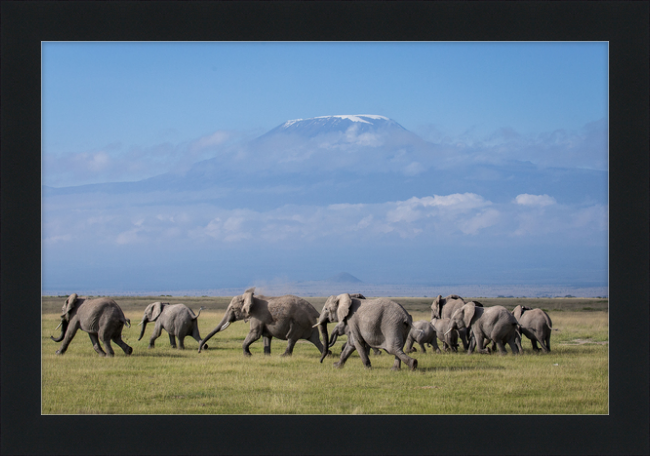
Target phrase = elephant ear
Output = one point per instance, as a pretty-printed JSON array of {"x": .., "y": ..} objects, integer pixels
[
  {"x": 248, "y": 301},
  {"x": 70, "y": 303},
  {"x": 435, "y": 306},
  {"x": 153, "y": 311},
  {"x": 468, "y": 313},
  {"x": 343, "y": 310},
  {"x": 517, "y": 312}
]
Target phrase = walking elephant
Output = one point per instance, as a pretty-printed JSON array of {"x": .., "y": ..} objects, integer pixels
[
  {"x": 101, "y": 318},
  {"x": 422, "y": 332},
  {"x": 449, "y": 339},
  {"x": 344, "y": 330},
  {"x": 536, "y": 325},
  {"x": 493, "y": 323},
  {"x": 446, "y": 307},
  {"x": 177, "y": 319},
  {"x": 286, "y": 317},
  {"x": 377, "y": 323}
]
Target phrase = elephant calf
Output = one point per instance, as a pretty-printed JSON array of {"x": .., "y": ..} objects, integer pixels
[
  {"x": 101, "y": 318},
  {"x": 421, "y": 332},
  {"x": 494, "y": 323},
  {"x": 448, "y": 338},
  {"x": 177, "y": 319},
  {"x": 536, "y": 325}
]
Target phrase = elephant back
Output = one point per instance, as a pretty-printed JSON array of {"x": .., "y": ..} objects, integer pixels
[
  {"x": 293, "y": 307},
  {"x": 451, "y": 306},
  {"x": 93, "y": 313}
]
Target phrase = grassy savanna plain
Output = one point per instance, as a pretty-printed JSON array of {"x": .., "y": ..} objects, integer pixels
[{"x": 572, "y": 379}]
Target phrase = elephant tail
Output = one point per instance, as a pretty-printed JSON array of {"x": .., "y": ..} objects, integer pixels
[
  {"x": 197, "y": 315},
  {"x": 127, "y": 322}
]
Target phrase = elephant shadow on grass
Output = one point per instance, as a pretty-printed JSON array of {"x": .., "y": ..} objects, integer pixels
[{"x": 459, "y": 368}]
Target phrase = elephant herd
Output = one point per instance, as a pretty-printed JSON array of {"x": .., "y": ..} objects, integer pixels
[{"x": 379, "y": 323}]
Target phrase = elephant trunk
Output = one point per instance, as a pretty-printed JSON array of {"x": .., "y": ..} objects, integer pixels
[
  {"x": 335, "y": 336},
  {"x": 64, "y": 327},
  {"x": 144, "y": 325},
  {"x": 323, "y": 332},
  {"x": 225, "y": 322}
]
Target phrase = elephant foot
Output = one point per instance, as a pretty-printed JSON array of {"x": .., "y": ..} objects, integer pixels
[
  {"x": 205, "y": 347},
  {"x": 286, "y": 354},
  {"x": 395, "y": 368},
  {"x": 338, "y": 365},
  {"x": 150, "y": 346},
  {"x": 413, "y": 364},
  {"x": 438, "y": 350},
  {"x": 129, "y": 350},
  {"x": 59, "y": 352},
  {"x": 248, "y": 354}
]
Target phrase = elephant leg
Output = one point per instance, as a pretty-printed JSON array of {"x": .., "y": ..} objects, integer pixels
[
  {"x": 107, "y": 345},
  {"x": 434, "y": 344},
  {"x": 316, "y": 341},
  {"x": 424, "y": 350},
  {"x": 172, "y": 340},
  {"x": 253, "y": 335},
  {"x": 543, "y": 343},
  {"x": 501, "y": 347},
  {"x": 376, "y": 351},
  {"x": 463, "y": 333},
  {"x": 362, "y": 353},
  {"x": 410, "y": 362},
  {"x": 534, "y": 344},
  {"x": 348, "y": 349},
  {"x": 290, "y": 345},
  {"x": 95, "y": 341},
  {"x": 478, "y": 338},
  {"x": 267, "y": 344},
  {"x": 118, "y": 340},
  {"x": 181, "y": 342},
  {"x": 397, "y": 365},
  {"x": 408, "y": 348},
  {"x": 69, "y": 335},
  {"x": 513, "y": 347},
  {"x": 157, "y": 330},
  {"x": 548, "y": 342}
]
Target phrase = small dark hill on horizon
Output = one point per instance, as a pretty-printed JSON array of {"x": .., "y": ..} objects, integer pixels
[{"x": 344, "y": 277}]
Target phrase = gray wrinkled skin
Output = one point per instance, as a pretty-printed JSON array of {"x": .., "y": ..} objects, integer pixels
[
  {"x": 445, "y": 308},
  {"x": 448, "y": 338},
  {"x": 101, "y": 318},
  {"x": 536, "y": 325},
  {"x": 492, "y": 323},
  {"x": 422, "y": 332},
  {"x": 286, "y": 317},
  {"x": 344, "y": 330},
  {"x": 376, "y": 323},
  {"x": 177, "y": 319}
]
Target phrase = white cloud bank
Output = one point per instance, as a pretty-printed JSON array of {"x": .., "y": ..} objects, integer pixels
[{"x": 436, "y": 218}]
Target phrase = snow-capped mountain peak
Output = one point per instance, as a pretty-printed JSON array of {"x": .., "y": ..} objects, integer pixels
[{"x": 315, "y": 126}]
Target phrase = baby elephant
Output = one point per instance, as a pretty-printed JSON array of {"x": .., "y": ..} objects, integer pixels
[
  {"x": 177, "y": 319},
  {"x": 421, "y": 332},
  {"x": 448, "y": 338},
  {"x": 536, "y": 325}
]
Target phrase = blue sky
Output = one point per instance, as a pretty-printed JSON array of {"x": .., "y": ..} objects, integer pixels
[{"x": 510, "y": 170}]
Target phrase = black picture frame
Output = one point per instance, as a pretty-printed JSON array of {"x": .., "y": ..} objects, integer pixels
[{"x": 623, "y": 24}]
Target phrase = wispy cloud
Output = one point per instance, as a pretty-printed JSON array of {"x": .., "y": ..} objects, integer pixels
[{"x": 436, "y": 218}]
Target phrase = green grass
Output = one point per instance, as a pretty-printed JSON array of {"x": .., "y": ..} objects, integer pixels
[{"x": 572, "y": 379}]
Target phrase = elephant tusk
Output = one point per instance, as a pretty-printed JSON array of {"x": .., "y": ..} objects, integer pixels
[
  {"x": 140, "y": 324},
  {"x": 225, "y": 326},
  {"x": 58, "y": 326},
  {"x": 448, "y": 331}
]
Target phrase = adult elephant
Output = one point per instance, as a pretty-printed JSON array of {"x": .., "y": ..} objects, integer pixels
[
  {"x": 536, "y": 325},
  {"x": 177, "y": 319},
  {"x": 376, "y": 323},
  {"x": 446, "y": 307},
  {"x": 493, "y": 323},
  {"x": 422, "y": 332},
  {"x": 101, "y": 318},
  {"x": 286, "y": 317}
]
